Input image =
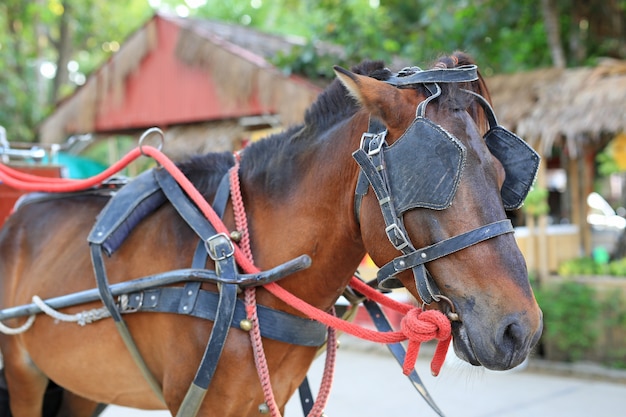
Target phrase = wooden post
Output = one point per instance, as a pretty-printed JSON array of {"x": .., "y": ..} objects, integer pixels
[
  {"x": 575, "y": 199},
  {"x": 542, "y": 232}
]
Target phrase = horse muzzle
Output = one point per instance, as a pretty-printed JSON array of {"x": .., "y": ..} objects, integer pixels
[{"x": 497, "y": 347}]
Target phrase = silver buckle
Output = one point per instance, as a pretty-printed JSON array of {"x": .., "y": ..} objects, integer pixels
[
  {"x": 368, "y": 138},
  {"x": 213, "y": 243},
  {"x": 399, "y": 234}
]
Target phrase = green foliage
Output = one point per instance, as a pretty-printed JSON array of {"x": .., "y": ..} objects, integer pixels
[
  {"x": 613, "y": 312},
  {"x": 31, "y": 35},
  {"x": 502, "y": 36},
  {"x": 308, "y": 61},
  {"x": 607, "y": 164},
  {"x": 587, "y": 266},
  {"x": 536, "y": 203},
  {"x": 571, "y": 312}
]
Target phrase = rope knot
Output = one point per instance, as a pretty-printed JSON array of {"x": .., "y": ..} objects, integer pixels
[{"x": 421, "y": 326}]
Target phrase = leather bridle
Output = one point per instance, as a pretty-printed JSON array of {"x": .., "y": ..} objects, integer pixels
[{"x": 371, "y": 158}]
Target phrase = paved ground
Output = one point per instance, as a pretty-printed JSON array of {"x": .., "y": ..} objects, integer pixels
[{"x": 368, "y": 382}]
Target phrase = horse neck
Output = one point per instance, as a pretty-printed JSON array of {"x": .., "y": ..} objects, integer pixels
[{"x": 313, "y": 216}]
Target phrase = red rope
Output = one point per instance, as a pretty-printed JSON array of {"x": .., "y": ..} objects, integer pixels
[
  {"x": 414, "y": 325},
  {"x": 260, "y": 361},
  {"x": 436, "y": 327},
  {"x": 29, "y": 182}
]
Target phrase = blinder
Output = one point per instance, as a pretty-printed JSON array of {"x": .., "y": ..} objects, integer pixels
[
  {"x": 520, "y": 161},
  {"x": 424, "y": 167}
]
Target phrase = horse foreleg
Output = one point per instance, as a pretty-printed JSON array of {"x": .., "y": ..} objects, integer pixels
[
  {"x": 27, "y": 388},
  {"x": 75, "y": 406}
]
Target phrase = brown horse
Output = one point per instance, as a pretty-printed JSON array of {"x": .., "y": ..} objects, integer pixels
[{"x": 299, "y": 193}]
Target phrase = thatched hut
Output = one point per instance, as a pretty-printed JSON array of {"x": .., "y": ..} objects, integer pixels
[
  {"x": 207, "y": 84},
  {"x": 568, "y": 115}
]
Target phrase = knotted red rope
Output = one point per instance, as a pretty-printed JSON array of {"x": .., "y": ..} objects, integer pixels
[
  {"x": 33, "y": 183},
  {"x": 417, "y": 326}
]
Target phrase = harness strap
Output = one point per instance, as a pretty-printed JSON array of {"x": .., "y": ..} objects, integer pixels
[
  {"x": 397, "y": 350},
  {"x": 191, "y": 290},
  {"x": 183, "y": 206},
  {"x": 275, "y": 324},
  {"x": 372, "y": 169},
  {"x": 108, "y": 301},
  {"x": 415, "y": 75},
  {"x": 417, "y": 259},
  {"x": 225, "y": 264}
]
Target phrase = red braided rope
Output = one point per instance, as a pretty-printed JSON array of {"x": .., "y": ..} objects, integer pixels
[
  {"x": 241, "y": 258},
  {"x": 260, "y": 361}
]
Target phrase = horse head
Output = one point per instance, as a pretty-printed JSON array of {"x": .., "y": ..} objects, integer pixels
[{"x": 431, "y": 201}]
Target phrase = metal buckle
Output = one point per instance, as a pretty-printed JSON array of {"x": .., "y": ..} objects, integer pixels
[
  {"x": 373, "y": 141},
  {"x": 398, "y": 234},
  {"x": 219, "y": 242},
  {"x": 123, "y": 302}
]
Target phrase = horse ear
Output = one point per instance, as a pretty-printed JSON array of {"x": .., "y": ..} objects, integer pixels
[{"x": 376, "y": 96}]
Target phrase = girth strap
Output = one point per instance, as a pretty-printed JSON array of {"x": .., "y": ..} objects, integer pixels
[{"x": 274, "y": 324}]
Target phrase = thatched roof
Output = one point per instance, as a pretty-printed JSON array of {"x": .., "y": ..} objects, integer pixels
[
  {"x": 572, "y": 108},
  {"x": 230, "y": 52}
]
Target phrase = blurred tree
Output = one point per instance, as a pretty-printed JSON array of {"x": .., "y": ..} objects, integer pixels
[
  {"x": 64, "y": 40},
  {"x": 48, "y": 46}
]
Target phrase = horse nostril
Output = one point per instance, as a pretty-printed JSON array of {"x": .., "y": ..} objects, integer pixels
[{"x": 513, "y": 336}]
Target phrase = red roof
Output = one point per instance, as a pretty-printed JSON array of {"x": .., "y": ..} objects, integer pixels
[
  {"x": 166, "y": 74},
  {"x": 166, "y": 91}
]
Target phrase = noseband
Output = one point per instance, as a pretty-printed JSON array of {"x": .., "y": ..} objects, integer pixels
[{"x": 427, "y": 179}]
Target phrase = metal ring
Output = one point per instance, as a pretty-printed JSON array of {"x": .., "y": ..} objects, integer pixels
[
  {"x": 148, "y": 133},
  {"x": 452, "y": 314}
]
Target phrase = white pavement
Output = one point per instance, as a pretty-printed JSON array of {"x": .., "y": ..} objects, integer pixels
[{"x": 368, "y": 383}]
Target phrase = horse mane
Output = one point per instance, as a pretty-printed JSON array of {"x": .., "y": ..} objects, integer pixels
[
  {"x": 284, "y": 154},
  {"x": 206, "y": 171},
  {"x": 335, "y": 104}
]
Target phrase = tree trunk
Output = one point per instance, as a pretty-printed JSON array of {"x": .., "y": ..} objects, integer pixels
[
  {"x": 64, "y": 49},
  {"x": 551, "y": 22}
]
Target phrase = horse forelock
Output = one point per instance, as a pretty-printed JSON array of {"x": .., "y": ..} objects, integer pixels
[{"x": 454, "y": 98}]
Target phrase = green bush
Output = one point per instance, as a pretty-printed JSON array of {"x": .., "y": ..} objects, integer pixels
[
  {"x": 589, "y": 266},
  {"x": 618, "y": 268},
  {"x": 571, "y": 312}
]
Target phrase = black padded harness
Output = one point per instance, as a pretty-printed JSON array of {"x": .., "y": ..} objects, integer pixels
[
  {"x": 124, "y": 211},
  {"x": 144, "y": 195}
]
